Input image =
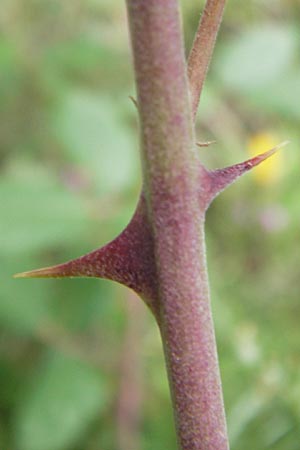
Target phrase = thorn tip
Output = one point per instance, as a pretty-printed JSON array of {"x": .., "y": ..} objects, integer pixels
[{"x": 46, "y": 272}]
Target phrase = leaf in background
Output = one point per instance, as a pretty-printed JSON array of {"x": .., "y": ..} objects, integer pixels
[
  {"x": 8, "y": 69},
  {"x": 257, "y": 57},
  {"x": 39, "y": 213},
  {"x": 248, "y": 407},
  {"x": 24, "y": 307},
  {"x": 80, "y": 58},
  {"x": 81, "y": 304},
  {"x": 94, "y": 133},
  {"x": 65, "y": 396},
  {"x": 281, "y": 96}
]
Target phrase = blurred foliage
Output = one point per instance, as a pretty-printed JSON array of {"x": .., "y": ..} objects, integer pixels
[{"x": 69, "y": 182}]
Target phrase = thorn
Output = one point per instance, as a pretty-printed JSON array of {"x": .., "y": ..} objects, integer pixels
[
  {"x": 221, "y": 178},
  {"x": 128, "y": 259},
  {"x": 205, "y": 144},
  {"x": 134, "y": 101},
  {"x": 252, "y": 162},
  {"x": 45, "y": 272}
]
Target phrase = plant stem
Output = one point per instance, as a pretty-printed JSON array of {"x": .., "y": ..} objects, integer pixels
[
  {"x": 171, "y": 184},
  {"x": 203, "y": 46}
]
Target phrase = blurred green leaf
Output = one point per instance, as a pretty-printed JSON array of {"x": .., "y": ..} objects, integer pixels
[
  {"x": 39, "y": 212},
  {"x": 64, "y": 397},
  {"x": 257, "y": 57},
  {"x": 94, "y": 133},
  {"x": 276, "y": 424},
  {"x": 78, "y": 54},
  {"x": 7, "y": 59},
  {"x": 247, "y": 408},
  {"x": 281, "y": 96},
  {"x": 23, "y": 306},
  {"x": 84, "y": 303},
  {"x": 81, "y": 56},
  {"x": 9, "y": 78}
]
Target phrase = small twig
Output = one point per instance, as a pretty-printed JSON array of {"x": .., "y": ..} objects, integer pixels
[{"x": 203, "y": 47}]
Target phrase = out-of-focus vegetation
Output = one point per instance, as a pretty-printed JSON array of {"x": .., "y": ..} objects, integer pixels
[{"x": 81, "y": 365}]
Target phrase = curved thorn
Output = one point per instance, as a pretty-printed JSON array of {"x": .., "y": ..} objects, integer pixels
[{"x": 128, "y": 259}]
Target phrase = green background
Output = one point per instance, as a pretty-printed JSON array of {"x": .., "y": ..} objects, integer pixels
[{"x": 81, "y": 365}]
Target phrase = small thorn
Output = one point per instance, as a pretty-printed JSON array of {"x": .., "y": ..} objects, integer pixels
[
  {"x": 205, "y": 144},
  {"x": 221, "y": 178},
  {"x": 134, "y": 101}
]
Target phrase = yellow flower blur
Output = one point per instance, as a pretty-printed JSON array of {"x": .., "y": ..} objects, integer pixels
[{"x": 270, "y": 171}]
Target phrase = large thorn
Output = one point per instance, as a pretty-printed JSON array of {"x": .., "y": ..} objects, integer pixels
[
  {"x": 221, "y": 178},
  {"x": 128, "y": 259}
]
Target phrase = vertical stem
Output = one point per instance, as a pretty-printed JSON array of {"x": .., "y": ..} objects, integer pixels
[
  {"x": 171, "y": 179},
  {"x": 189, "y": 343}
]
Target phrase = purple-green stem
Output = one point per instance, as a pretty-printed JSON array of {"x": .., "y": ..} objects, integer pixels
[
  {"x": 161, "y": 253},
  {"x": 171, "y": 183}
]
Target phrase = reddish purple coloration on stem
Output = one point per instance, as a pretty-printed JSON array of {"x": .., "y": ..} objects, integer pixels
[
  {"x": 128, "y": 259},
  {"x": 222, "y": 178},
  {"x": 161, "y": 253}
]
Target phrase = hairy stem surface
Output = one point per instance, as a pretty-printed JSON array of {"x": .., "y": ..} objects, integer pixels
[{"x": 171, "y": 183}]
